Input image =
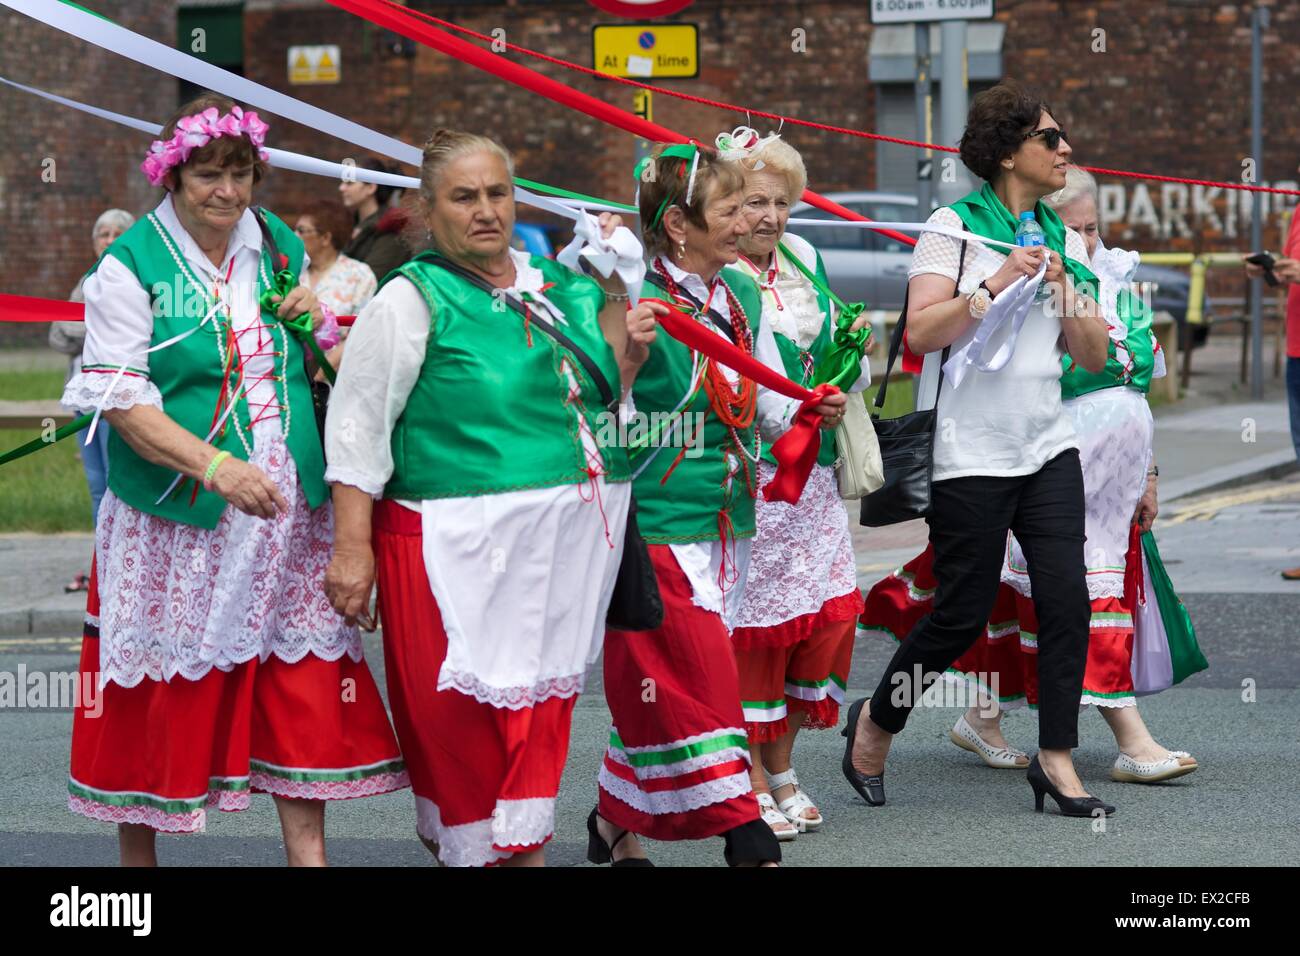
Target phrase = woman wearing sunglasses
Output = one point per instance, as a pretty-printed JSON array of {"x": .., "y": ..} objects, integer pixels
[
  {"x": 1005, "y": 455},
  {"x": 1140, "y": 638}
]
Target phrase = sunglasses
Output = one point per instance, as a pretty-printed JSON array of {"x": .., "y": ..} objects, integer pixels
[{"x": 1052, "y": 136}]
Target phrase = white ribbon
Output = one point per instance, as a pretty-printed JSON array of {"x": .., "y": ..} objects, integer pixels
[
  {"x": 621, "y": 253},
  {"x": 109, "y": 36},
  {"x": 1011, "y": 306},
  {"x": 729, "y": 148}
]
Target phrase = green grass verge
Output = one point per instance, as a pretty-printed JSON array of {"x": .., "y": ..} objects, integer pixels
[{"x": 46, "y": 491}]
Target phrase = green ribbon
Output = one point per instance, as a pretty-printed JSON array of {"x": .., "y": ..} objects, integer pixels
[
  {"x": 282, "y": 283},
  {"x": 36, "y": 444},
  {"x": 841, "y": 366},
  {"x": 683, "y": 151},
  {"x": 983, "y": 212},
  {"x": 569, "y": 194}
]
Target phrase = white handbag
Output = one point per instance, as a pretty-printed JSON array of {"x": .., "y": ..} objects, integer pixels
[{"x": 858, "y": 470}]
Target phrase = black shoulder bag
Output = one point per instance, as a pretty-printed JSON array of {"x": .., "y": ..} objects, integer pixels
[
  {"x": 906, "y": 444},
  {"x": 636, "y": 604},
  {"x": 320, "y": 391}
]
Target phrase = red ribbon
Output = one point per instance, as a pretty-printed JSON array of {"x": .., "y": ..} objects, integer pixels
[
  {"x": 393, "y": 16},
  {"x": 1134, "y": 585},
  {"x": 26, "y": 308},
  {"x": 795, "y": 451}
]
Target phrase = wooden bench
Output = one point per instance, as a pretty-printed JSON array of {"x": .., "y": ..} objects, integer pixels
[{"x": 33, "y": 415}]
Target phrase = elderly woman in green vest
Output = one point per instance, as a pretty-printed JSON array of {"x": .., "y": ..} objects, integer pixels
[
  {"x": 221, "y": 662},
  {"x": 793, "y": 636},
  {"x": 475, "y": 476},
  {"x": 678, "y": 762}
]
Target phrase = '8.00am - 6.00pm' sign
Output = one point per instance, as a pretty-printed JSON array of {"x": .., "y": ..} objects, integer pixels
[{"x": 918, "y": 11}]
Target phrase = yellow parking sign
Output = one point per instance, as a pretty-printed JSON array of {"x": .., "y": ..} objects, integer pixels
[{"x": 647, "y": 49}]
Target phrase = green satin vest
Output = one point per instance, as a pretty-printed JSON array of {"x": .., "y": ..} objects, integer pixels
[
  {"x": 686, "y": 506},
  {"x": 189, "y": 376},
  {"x": 1141, "y": 352},
  {"x": 490, "y": 413}
]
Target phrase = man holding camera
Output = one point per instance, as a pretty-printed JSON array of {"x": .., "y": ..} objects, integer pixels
[{"x": 1287, "y": 270}]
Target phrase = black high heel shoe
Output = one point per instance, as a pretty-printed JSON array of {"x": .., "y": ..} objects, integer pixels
[
  {"x": 1069, "y": 806},
  {"x": 598, "y": 851},
  {"x": 871, "y": 789}
]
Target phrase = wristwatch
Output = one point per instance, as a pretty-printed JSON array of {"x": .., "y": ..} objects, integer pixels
[{"x": 980, "y": 300}]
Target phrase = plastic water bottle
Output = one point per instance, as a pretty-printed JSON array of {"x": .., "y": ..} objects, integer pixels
[{"x": 1030, "y": 233}]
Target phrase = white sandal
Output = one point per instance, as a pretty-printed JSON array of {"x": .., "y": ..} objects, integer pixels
[
  {"x": 774, "y": 818},
  {"x": 1003, "y": 758},
  {"x": 793, "y": 807},
  {"x": 1128, "y": 770}
]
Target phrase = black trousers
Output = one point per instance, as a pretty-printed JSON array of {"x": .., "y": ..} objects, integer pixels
[{"x": 969, "y": 519}]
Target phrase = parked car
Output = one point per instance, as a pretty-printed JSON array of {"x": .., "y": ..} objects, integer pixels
[{"x": 865, "y": 266}]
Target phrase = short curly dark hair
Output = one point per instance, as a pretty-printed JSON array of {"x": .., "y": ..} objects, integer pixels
[{"x": 996, "y": 125}]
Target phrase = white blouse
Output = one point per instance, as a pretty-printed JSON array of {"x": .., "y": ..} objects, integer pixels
[
  {"x": 345, "y": 288},
  {"x": 1003, "y": 423},
  {"x": 790, "y": 305},
  {"x": 119, "y": 324}
]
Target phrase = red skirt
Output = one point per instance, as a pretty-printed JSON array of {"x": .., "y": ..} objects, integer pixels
[
  {"x": 677, "y": 765},
  {"x": 1003, "y": 661},
  {"x": 485, "y": 778},
  {"x": 807, "y": 679},
  {"x": 160, "y": 753}
]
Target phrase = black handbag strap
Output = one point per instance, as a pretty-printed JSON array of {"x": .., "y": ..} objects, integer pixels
[
  {"x": 896, "y": 340},
  {"x": 608, "y": 397},
  {"x": 723, "y": 325}
]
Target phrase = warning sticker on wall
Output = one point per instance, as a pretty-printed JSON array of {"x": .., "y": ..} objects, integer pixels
[{"x": 314, "y": 64}]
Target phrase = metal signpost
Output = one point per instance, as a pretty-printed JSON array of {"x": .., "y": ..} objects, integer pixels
[{"x": 953, "y": 15}]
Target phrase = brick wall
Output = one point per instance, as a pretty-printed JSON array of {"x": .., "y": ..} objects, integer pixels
[
  {"x": 45, "y": 226},
  {"x": 1170, "y": 94}
]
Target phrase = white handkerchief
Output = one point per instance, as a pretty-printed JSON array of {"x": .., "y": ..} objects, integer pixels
[{"x": 620, "y": 254}]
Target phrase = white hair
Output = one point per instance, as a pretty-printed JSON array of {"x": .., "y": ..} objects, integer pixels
[
  {"x": 113, "y": 217},
  {"x": 778, "y": 156},
  {"x": 1079, "y": 184}
]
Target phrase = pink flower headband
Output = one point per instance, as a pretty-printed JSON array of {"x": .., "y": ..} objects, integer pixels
[{"x": 195, "y": 132}]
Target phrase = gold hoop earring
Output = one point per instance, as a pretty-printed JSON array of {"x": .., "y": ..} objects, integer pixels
[{"x": 681, "y": 250}]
